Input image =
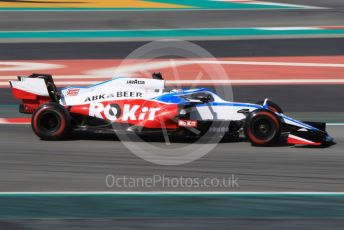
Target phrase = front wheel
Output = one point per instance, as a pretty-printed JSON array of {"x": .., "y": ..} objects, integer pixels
[
  {"x": 262, "y": 127},
  {"x": 51, "y": 122}
]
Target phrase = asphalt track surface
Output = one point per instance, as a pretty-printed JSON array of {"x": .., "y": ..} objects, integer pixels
[
  {"x": 10, "y": 21},
  {"x": 82, "y": 164},
  {"x": 232, "y": 48}
]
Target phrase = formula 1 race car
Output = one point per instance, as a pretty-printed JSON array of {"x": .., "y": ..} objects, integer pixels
[{"x": 143, "y": 105}]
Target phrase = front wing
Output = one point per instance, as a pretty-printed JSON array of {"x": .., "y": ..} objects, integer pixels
[{"x": 306, "y": 133}]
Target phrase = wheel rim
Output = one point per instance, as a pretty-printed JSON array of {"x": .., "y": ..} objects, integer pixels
[
  {"x": 263, "y": 129},
  {"x": 49, "y": 122}
]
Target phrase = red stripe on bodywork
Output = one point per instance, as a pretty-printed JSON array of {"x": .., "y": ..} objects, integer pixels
[
  {"x": 21, "y": 94},
  {"x": 300, "y": 141},
  {"x": 15, "y": 120}
]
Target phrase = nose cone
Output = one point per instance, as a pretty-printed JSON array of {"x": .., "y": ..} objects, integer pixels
[{"x": 329, "y": 140}]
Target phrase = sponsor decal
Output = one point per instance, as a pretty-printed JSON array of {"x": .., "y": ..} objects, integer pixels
[
  {"x": 187, "y": 123},
  {"x": 128, "y": 94},
  {"x": 119, "y": 94},
  {"x": 130, "y": 112},
  {"x": 136, "y": 82},
  {"x": 73, "y": 92},
  {"x": 95, "y": 98}
]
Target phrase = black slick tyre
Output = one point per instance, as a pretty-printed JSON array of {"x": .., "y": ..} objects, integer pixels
[
  {"x": 262, "y": 127},
  {"x": 51, "y": 121}
]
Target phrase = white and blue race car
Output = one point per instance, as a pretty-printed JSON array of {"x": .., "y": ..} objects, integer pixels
[{"x": 143, "y": 105}]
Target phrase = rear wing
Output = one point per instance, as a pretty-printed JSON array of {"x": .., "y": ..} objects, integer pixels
[{"x": 34, "y": 90}]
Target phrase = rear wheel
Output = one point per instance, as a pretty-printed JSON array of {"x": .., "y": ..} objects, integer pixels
[
  {"x": 262, "y": 127},
  {"x": 51, "y": 122}
]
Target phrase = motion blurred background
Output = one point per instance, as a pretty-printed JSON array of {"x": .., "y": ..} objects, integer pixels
[{"x": 291, "y": 51}]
